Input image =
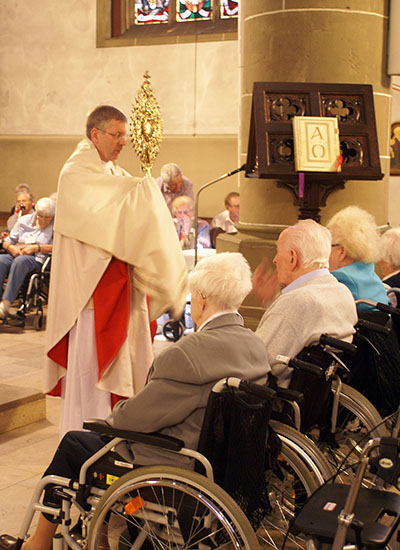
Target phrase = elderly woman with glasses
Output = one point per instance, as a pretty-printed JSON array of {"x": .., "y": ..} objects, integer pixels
[
  {"x": 26, "y": 248},
  {"x": 355, "y": 250}
]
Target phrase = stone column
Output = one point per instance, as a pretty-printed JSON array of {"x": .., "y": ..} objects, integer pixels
[{"x": 329, "y": 41}]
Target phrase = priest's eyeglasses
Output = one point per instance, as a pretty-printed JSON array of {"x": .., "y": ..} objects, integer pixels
[{"x": 117, "y": 136}]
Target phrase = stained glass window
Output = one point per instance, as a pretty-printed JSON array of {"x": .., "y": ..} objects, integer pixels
[
  {"x": 193, "y": 10},
  {"x": 134, "y": 22},
  {"x": 229, "y": 8},
  {"x": 147, "y": 12}
]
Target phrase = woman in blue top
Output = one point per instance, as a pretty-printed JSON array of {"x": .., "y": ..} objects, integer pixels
[
  {"x": 27, "y": 246},
  {"x": 355, "y": 249}
]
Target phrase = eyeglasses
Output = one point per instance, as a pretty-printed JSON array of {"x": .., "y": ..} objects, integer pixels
[{"x": 117, "y": 136}]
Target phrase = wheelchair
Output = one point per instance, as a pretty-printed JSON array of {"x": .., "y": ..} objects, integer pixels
[
  {"x": 32, "y": 297},
  {"x": 375, "y": 368},
  {"x": 354, "y": 517},
  {"x": 337, "y": 417},
  {"x": 239, "y": 497}
]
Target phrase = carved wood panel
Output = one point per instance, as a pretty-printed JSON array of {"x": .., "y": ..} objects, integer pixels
[{"x": 270, "y": 150}]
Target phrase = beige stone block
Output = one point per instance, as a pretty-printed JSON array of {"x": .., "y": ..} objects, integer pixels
[
  {"x": 249, "y": 8},
  {"x": 370, "y": 195},
  {"x": 375, "y": 6},
  {"x": 315, "y": 46},
  {"x": 20, "y": 406},
  {"x": 22, "y": 414}
]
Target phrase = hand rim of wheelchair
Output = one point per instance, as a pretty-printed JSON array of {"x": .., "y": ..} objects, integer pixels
[{"x": 210, "y": 498}]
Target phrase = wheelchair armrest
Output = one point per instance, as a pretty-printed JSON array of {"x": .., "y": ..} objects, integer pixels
[
  {"x": 374, "y": 327},
  {"x": 155, "y": 439},
  {"x": 299, "y": 364},
  {"x": 289, "y": 395},
  {"x": 327, "y": 340}
]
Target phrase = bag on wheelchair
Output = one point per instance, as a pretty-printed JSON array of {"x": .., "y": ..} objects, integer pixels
[
  {"x": 317, "y": 395},
  {"x": 233, "y": 436},
  {"x": 375, "y": 368}
]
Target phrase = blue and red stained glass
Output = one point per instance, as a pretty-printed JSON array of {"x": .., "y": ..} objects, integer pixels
[
  {"x": 151, "y": 11},
  {"x": 229, "y": 8},
  {"x": 193, "y": 10}
]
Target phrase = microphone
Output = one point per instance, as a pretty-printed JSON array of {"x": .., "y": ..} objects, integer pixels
[
  {"x": 243, "y": 167},
  {"x": 196, "y": 204}
]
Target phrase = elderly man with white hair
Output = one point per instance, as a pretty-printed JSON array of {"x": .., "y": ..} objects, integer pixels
[
  {"x": 311, "y": 301},
  {"x": 180, "y": 379},
  {"x": 27, "y": 246},
  {"x": 174, "y": 184}
]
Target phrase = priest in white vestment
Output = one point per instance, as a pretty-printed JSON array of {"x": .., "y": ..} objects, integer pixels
[{"x": 114, "y": 244}]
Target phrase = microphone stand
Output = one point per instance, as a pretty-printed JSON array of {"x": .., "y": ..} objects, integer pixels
[{"x": 196, "y": 204}]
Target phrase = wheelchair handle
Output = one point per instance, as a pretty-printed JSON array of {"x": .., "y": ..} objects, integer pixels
[
  {"x": 387, "y": 309},
  {"x": 301, "y": 365},
  {"x": 259, "y": 390},
  {"x": 256, "y": 389},
  {"x": 369, "y": 325},
  {"x": 378, "y": 305},
  {"x": 327, "y": 340}
]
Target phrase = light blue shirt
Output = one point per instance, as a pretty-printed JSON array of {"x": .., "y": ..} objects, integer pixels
[
  {"x": 26, "y": 232},
  {"x": 362, "y": 281}
]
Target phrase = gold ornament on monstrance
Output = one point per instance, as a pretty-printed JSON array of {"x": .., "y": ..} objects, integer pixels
[{"x": 146, "y": 125}]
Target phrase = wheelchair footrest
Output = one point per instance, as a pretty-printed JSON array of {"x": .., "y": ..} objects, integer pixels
[{"x": 379, "y": 511}]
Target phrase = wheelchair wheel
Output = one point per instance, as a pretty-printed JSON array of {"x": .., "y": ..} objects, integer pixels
[
  {"x": 170, "y": 508},
  {"x": 303, "y": 469},
  {"x": 358, "y": 421},
  {"x": 173, "y": 330},
  {"x": 38, "y": 321}
]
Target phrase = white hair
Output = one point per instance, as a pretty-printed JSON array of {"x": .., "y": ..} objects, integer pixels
[
  {"x": 225, "y": 279},
  {"x": 46, "y": 207},
  {"x": 355, "y": 229},
  {"x": 24, "y": 188},
  {"x": 311, "y": 241},
  {"x": 170, "y": 171},
  {"x": 390, "y": 247},
  {"x": 182, "y": 200}
]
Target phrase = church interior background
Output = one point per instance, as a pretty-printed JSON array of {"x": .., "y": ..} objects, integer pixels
[{"x": 60, "y": 59}]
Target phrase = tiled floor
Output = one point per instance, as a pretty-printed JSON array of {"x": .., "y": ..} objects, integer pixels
[{"x": 25, "y": 452}]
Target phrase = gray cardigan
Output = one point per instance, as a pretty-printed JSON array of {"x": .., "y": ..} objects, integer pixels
[{"x": 181, "y": 378}]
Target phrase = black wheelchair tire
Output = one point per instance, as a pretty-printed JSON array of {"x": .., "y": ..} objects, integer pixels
[{"x": 209, "y": 498}]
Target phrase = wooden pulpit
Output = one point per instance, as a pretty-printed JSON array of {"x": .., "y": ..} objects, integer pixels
[{"x": 270, "y": 151}]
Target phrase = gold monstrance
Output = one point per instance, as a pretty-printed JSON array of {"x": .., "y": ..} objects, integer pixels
[{"x": 146, "y": 125}]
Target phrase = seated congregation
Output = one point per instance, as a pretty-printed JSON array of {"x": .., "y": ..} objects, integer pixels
[{"x": 319, "y": 274}]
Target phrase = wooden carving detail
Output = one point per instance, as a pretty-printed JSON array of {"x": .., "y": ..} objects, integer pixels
[
  {"x": 281, "y": 149},
  {"x": 354, "y": 151},
  {"x": 283, "y": 108},
  {"x": 347, "y": 109}
]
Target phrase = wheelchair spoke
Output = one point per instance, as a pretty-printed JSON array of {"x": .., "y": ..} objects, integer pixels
[{"x": 157, "y": 511}]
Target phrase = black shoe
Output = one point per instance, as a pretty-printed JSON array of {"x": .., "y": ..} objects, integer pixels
[{"x": 7, "y": 542}]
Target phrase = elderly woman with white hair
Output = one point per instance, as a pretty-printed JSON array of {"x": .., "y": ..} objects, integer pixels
[
  {"x": 390, "y": 261},
  {"x": 174, "y": 400},
  {"x": 27, "y": 246},
  {"x": 355, "y": 249},
  {"x": 390, "y": 257},
  {"x": 183, "y": 211}
]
